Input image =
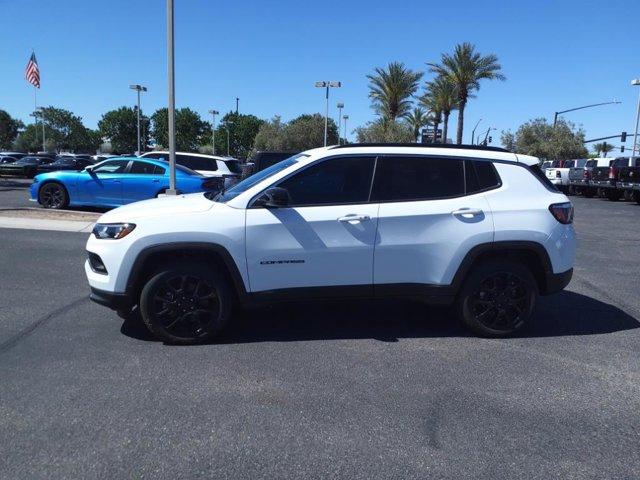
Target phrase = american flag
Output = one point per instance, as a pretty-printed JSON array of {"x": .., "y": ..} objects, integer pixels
[{"x": 32, "y": 73}]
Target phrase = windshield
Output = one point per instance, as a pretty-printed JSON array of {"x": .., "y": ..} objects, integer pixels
[
  {"x": 28, "y": 160},
  {"x": 249, "y": 182}
]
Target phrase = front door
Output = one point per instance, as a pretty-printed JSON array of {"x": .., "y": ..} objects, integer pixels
[
  {"x": 103, "y": 185},
  {"x": 325, "y": 238}
]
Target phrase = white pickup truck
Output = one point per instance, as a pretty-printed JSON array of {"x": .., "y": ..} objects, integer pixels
[{"x": 558, "y": 173}]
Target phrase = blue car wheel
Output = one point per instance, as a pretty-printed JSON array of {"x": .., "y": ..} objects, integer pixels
[{"x": 53, "y": 195}]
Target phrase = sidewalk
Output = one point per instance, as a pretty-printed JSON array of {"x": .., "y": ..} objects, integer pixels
[{"x": 41, "y": 219}]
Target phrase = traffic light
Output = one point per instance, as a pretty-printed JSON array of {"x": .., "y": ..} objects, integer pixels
[
  {"x": 623, "y": 137},
  {"x": 490, "y": 139}
]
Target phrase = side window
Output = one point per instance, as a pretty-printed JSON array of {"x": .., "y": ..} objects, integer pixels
[
  {"x": 417, "y": 178},
  {"x": 335, "y": 181},
  {"x": 114, "y": 166},
  {"x": 487, "y": 175},
  {"x": 142, "y": 168},
  {"x": 158, "y": 170}
]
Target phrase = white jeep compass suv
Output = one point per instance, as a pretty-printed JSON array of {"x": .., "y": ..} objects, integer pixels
[{"x": 477, "y": 228}]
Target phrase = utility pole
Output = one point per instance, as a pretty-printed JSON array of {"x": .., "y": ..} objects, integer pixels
[
  {"x": 327, "y": 85},
  {"x": 635, "y": 82},
  {"x": 345, "y": 117},
  {"x": 138, "y": 89},
  {"x": 172, "y": 101},
  {"x": 340, "y": 107},
  {"x": 213, "y": 130},
  {"x": 237, "y": 102}
]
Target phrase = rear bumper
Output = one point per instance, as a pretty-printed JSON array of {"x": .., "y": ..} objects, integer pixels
[
  {"x": 115, "y": 301},
  {"x": 603, "y": 184},
  {"x": 556, "y": 282}
]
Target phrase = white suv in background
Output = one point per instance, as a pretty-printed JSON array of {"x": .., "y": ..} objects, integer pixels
[
  {"x": 207, "y": 165},
  {"x": 478, "y": 228}
]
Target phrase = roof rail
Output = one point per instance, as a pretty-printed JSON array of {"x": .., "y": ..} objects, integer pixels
[{"x": 424, "y": 145}]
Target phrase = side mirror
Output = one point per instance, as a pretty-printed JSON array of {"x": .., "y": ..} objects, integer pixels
[{"x": 274, "y": 197}]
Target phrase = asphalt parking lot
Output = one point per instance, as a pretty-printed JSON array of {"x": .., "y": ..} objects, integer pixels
[{"x": 322, "y": 390}]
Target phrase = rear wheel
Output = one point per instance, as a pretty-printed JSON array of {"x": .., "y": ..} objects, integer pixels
[
  {"x": 186, "y": 303},
  {"x": 497, "y": 298},
  {"x": 53, "y": 195},
  {"x": 588, "y": 192},
  {"x": 636, "y": 196}
]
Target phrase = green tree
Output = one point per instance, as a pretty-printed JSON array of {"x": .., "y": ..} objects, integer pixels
[
  {"x": 242, "y": 130},
  {"x": 64, "y": 131},
  {"x": 384, "y": 131},
  {"x": 417, "y": 119},
  {"x": 391, "y": 90},
  {"x": 271, "y": 136},
  {"x": 465, "y": 68},
  {"x": 190, "y": 129},
  {"x": 441, "y": 97},
  {"x": 540, "y": 139},
  {"x": 9, "y": 128},
  {"x": 120, "y": 127},
  {"x": 307, "y": 131}
]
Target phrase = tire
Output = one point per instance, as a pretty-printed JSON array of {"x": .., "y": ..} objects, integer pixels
[
  {"x": 636, "y": 196},
  {"x": 571, "y": 190},
  {"x": 170, "y": 299},
  {"x": 497, "y": 298},
  {"x": 53, "y": 195},
  {"x": 613, "y": 195},
  {"x": 588, "y": 192}
]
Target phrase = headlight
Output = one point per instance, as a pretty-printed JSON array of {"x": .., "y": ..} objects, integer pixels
[{"x": 113, "y": 231}]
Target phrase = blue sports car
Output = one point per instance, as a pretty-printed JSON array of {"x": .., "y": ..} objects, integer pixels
[{"x": 115, "y": 182}]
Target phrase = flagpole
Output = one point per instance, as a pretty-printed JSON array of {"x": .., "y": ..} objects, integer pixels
[{"x": 35, "y": 111}]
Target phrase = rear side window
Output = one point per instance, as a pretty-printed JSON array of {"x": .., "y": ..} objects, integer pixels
[
  {"x": 486, "y": 174},
  {"x": 336, "y": 181},
  {"x": 591, "y": 163},
  {"x": 158, "y": 170},
  {"x": 142, "y": 168},
  {"x": 539, "y": 174},
  {"x": 417, "y": 178},
  {"x": 197, "y": 163},
  {"x": 114, "y": 166}
]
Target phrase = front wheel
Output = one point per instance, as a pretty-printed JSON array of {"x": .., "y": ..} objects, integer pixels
[
  {"x": 53, "y": 195},
  {"x": 497, "y": 298},
  {"x": 613, "y": 195},
  {"x": 186, "y": 303}
]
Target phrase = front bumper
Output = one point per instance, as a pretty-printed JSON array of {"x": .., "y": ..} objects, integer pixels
[
  {"x": 115, "y": 301},
  {"x": 555, "y": 282}
]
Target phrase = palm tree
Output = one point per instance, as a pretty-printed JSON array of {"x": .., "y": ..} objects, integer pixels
[
  {"x": 465, "y": 68},
  {"x": 417, "y": 119},
  {"x": 430, "y": 101},
  {"x": 391, "y": 90},
  {"x": 447, "y": 95},
  {"x": 603, "y": 148}
]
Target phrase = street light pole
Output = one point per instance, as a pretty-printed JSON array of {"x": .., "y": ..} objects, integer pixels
[
  {"x": 345, "y": 117},
  {"x": 327, "y": 85},
  {"x": 138, "y": 89},
  {"x": 473, "y": 132},
  {"x": 213, "y": 130},
  {"x": 172, "y": 101},
  {"x": 340, "y": 107},
  {"x": 635, "y": 82},
  {"x": 555, "y": 116},
  {"x": 237, "y": 102},
  {"x": 228, "y": 135}
]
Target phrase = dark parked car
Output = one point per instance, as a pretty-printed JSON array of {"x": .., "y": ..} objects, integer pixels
[
  {"x": 606, "y": 179},
  {"x": 7, "y": 159},
  {"x": 629, "y": 180},
  {"x": 24, "y": 167},
  {"x": 16, "y": 155},
  {"x": 65, "y": 163},
  {"x": 261, "y": 160}
]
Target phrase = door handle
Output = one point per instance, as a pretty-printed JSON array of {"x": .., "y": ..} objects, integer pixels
[
  {"x": 155, "y": 180},
  {"x": 352, "y": 217},
  {"x": 467, "y": 212}
]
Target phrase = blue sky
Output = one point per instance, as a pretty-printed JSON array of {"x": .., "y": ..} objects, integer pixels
[{"x": 555, "y": 55}]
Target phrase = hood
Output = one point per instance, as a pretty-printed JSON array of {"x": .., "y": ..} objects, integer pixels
[{"x": 158, "y": 207}]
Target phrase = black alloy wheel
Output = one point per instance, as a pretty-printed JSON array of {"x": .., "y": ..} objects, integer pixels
[
  {"x": 500, "y": 301},
  {"x": 186, "y": 304},
  {"x": 53, "y": 195},
  {"x": 497, "y": 298}
]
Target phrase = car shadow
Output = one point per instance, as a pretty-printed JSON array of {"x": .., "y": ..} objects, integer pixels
[{"x": 563, "y": 314}]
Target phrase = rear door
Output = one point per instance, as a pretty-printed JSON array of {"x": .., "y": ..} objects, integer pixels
[
  {"x": 325, "y": 237},
  {"x": 432, "y": 212},
  {"x": 144, "y": 180},
  {"x": 103, "y": 185}
]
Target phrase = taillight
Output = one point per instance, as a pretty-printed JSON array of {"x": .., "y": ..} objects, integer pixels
[
  {"x": 613, "y": 172},
  {"x": 562, "y": 212},
  {"x": 586, "y": 175}
]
